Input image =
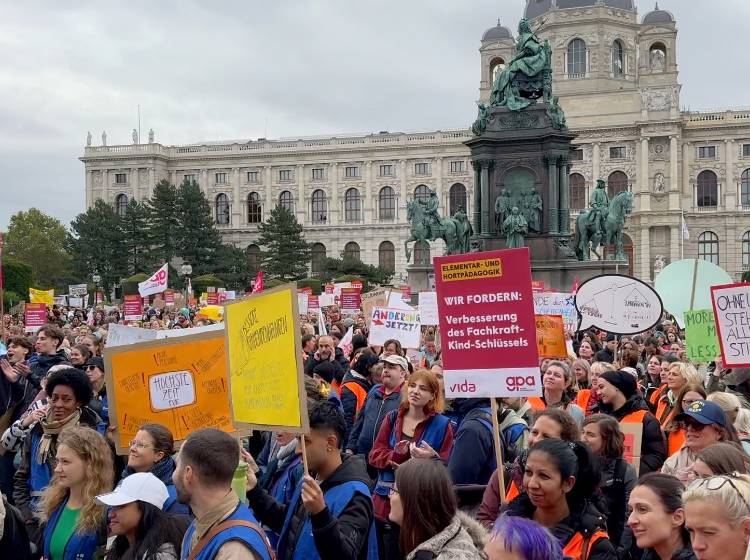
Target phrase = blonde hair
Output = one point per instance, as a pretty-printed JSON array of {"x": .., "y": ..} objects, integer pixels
[
  {"x": 584, "y": 365},
  {"x": 731, "y": 491},
  {"x": 688, "y": 373},
  {"x": 93, "y": 449},
  {"x": 742, "y": 424},
  {"x": 728, "y": 402},
  {"x": 601, "y": 367}
]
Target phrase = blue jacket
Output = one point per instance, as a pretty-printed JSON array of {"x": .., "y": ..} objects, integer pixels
[
  {"x": 79, "y": 547},
  {"x": 366, "y": 427}
]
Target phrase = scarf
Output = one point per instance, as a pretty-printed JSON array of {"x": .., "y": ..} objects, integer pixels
[
  {"x": 162, "y": 470},
  {"x": 52, "y": 429}
]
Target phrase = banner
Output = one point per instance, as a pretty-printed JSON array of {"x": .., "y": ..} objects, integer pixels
[
  {"x": 212, "y": 298},
  {"x": 388, "y": 323},
  {"x": 156, "y": 284},
  {"x": 550, "y": 336},
  {"x": 169, "y": 297},
  {"x": 326, "y": 300},
  {"x": 180, "y": 383},
  {"x": 34, "y": 316},
  {"x": 551, "y": 303},
  {"x": 350, "y": 300},
  {"x": 370, "y": 300},
  {"x": 487, "y": 324},
  {"x": 265, "y": 365},
  {"x": 732, "y": 312},
  {"x": 121, "y": 335},
  {"x": 346, "y": 343},
  {"x": 428, "y": 310},
  {"x": 303, "y": 300},
  {"x": 701, "y": 341},
  {"x": 133, "y": 308},
  {"x": 78, "y": 289},
  {"x": 42, "y": 296},
  {"x": 258, "y": 284},
  {"x": 312, "y": 303},
  {"x": 76, "y": 302},
  {"x": 308, "y": 291}
]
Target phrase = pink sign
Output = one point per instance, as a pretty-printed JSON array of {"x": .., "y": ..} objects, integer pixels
[
  {"x": 169, "y": 297},
  {"x": 406, "y": 293},
  {"x": 133, "y": 307},
  {"x": 213, "y": 298},
  {"x": 34, "y": 316},
  {"x": 350, "y": 300},
  {"x": 313, "y": 303}
]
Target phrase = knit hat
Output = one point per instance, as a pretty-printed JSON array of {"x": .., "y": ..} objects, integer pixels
[
  {"x": 622, "y": 380},
  {"x": 326, "y": 370}
]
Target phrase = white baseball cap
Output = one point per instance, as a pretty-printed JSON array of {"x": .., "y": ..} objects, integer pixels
[{"x": 138, "y": 486}]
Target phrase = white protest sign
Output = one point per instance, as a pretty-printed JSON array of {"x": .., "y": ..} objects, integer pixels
[
  {"x": 174, "y": 333},
  {"x": 303, "y": 302},
  {"x": 326, "y": 300},
  {"x": 618, "y": 304},
  {"x": 120, "y": 335},
  {"x": 732, "y": 311},
  {"x": 156, "y": 284},
  {"x": 230, "y": 294},
  {"x": 337, "y": 288},
  {"x": 428, "y": 310},
  {"x": 77, "y": 289},
  {"x": 550, "y": 303},
  {"x": 75, "y": 302},
  {"x": 171, "y": 390},
  {"x": 397, "y": 324}
]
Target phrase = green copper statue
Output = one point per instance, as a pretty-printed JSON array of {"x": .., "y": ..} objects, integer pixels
[
  {"x": 603, "y": 224},
  {"x": 427, "y": 225},
  {"x": 599, "y": 204},
  {"x": 515, "y": 228}
]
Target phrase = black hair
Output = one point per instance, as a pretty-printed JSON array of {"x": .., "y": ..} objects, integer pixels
[
  {"x": 307, "y": 338},
  {"x": 74, "y": 378},
  {"x": 670, "y": 357},
  {"x": 365, "y": 361},
  {"x": 326, "y": 415},
  {"x": 213, "y": 454},
  {"x": 669, "y": 490},
  {"x": 155, "y": 529}
]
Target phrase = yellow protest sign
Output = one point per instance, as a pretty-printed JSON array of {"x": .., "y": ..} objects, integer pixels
[
  {"x": 550, "y": 336},
  {"x": 41, "y": 296},
  {"x": 265, "y": 366}
]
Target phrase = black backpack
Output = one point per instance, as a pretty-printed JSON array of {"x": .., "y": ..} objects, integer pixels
[{"x": 15, "y": 541}]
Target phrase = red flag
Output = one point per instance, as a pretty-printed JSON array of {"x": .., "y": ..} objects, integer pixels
[
  {"x": 574, "y": 288},
  {"x": 258, "y": 286}
]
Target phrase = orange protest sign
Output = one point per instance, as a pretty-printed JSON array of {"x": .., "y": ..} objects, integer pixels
[{"x": 550, "y": 336}]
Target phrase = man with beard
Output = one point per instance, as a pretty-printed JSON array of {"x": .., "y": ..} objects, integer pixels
[{"x": 327, "y": 352}]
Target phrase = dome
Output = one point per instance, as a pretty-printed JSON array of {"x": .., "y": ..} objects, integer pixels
[
  {"x": 658, "y": 16},
  {"x": 497, "y": 32},
  {"x": 536, "y": 8}
]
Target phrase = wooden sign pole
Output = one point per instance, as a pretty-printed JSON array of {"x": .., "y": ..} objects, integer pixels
[{"x": 498, "y": 449}]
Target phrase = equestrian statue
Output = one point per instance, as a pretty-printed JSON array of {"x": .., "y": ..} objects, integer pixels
[
  {"x": 603, "y": 223},
  {"x": 427, "y": 225}
]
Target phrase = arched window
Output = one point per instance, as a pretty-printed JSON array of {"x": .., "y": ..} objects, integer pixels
[
  {"x": 387, "y": 204},
  {"x": 422, "y": 253},
  {"x": 222, "y": 209},
  {"x": 577, "y": 58},
  {"x": 253, "y": 256},
  {"x": 351, "y": 251},
  {"x": 317, "y": 256},
  {"x": 121, "y": 204},
  {"x": 708, "y": 190},
  {"x": 577, "y": 191},
  {"x": 456, "y": 198},
  {"x": 422, "y": 192},
  {"x": 286, "y": 200},
  {"x": 254, "y": 210},
  {"x": 657, "y": 57},
  {"x": 745, "y": 188},
  {"x": 352, "y": 205},
  {"x": 387, "y": 256},
  {"x": 319, "y": 207},
  {"x": 708, "y": 247},
  {"x": 746, "y": 250},
  {"x": 496, "y": 66},
  {"x": 618, "y": 59},
  {"x": 616, "y": 183}
]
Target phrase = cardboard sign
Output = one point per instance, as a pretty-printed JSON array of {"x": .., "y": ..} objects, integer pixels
[
  {"x": 702, "y": 343},
  {"x": 133, "y": 308},
  {"x": 156, "y": 284},
  {"x": 78, "y": 290},
  {"x": 303, "y": 300},
  {"x": 398, "y": 324},
  {"x": 120, "y": 335},
  {"x": 488, "y": 333},
  {"x": 633, "y": 433},
  {"x": 550, "y": 336},
  {"x": 34, "y": 316},
  {"x": 551, "y": 303},
  {"x": 179, "y": 383},
  {"x": 169, "y": 297},
  {"x": 732, "y": 311},
  {"x": 370, "y": 300},
  {"x": 350, "y": 300},
  {"x": 428, "y": 308},
  {"x": 265, "y": 366}
]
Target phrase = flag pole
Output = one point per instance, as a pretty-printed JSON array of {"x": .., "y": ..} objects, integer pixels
[{"x": 2, "y": 291}]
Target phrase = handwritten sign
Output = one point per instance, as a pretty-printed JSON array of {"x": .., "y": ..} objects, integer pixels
[
  {"x": 732, "y": 311},
  {"x": 428, "y": 308},
  {"x": 398, "y": 324},
  {"x": 370, "y": 300},
  {"x": 171, "y": 390},
  {"x": 551, "y": 303},
  {"x": 702, "y": 343},
  {"x": 550, "y": 336}
]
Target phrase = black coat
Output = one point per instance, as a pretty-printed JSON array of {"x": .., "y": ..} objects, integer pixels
[
  {"x": 472, "y": 459},
  {"x": 349, "y": 399},
  {"x": 339, "y": 359}
]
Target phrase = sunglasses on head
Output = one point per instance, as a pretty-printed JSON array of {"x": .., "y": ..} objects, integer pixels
[{"x": 717, "y": 482}]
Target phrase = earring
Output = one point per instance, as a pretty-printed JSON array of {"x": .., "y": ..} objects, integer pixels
[{"x": 329, "y": 449}]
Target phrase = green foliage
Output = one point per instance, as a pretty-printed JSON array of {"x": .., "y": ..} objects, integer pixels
[
  {"x": 197, "y": 240},
  {"x": 272, "y": 283},
  {"x": 746, "y": 276},
  {"x": 201, "y": 283},
  {"x": 284, "y": 252},
  {"x": 130, "y": 284},
  {"x": 337, "y": 269},
  {"x": 163, "y": 221},
  {"x": 314, "y": 283},
  {"x": 12, "y": 298},
  {"x": 136, "y": 235},
  {"x": 39, "y": 239},
  {"x": 234, "y": 268},
  {"x": 18, "y": 276}
]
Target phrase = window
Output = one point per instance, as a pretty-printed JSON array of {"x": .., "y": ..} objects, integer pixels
[
  {"x": 285, "y": 175},
  {"x": 618, "y": 152},
  {"x": 706, "y": 152},
  {"x": 657, "y": 57},
  {"x": 319, "y": 207},
  {"x": 221, "y": 178},
  {"x": 317, "y": 256},
  {"x": 708, "y": 190},
  {"x": 351, "y": 172},
  {"x": 421, "y": 168},
  {"x": 456, "y": 199},
  {"x": 458, "y": 167},
  {"x": 577, "y": 59},
  {"x": 386, "y": 170},
  {"x": 253, "y": 257},
  {"x": 577, "y": 154},
  {"x": 286, "y": 200},
  {"x": 222, "y": 209},
  {"x": 422, "y": 253},
  {"x": 708, "y": 247},
  {"x": 746, "y": 250},
  {"x": 745, "y": 188},
  {"x": 745, "y": 150},
  {"x": 252, "y": 176},
  {"x": 121, "y": 178},
  {"x": 387, "y": 256},
  {"x": 352, "y": 206},
  {"x": 121, "y": 204},
  {"x": 351, "y": 251},
  {"x": 577, "y": 191},
  {"x": 616, "y": 183},
  {"x": 189, "y": 178},
  {"x": 387, "y": 204},
  {"x": 618, "y": 59},
  {"x": 496, "y": 66},
  {"x": 254, "y": 210},
  {"x": 318, "y": 174},
  {"x": 422, "y": 192}
]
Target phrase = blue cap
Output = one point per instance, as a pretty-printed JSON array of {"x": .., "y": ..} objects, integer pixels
[{"x": 705, "y": 412}]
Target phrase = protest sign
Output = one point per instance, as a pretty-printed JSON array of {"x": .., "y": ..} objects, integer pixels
[
  {"x": 732, "y": 312},
  {"x": 263, "y": 341},
  {"x": 428, "y": 310},
  {"x": 550, "y": 336},
  {"x": 350, "y": 300},
  {"x": 179, "y": 383},
  {"x": 145, "y": 301},
  {"x": 375, "y": 298},
  {"x": 77, "y": 289},
  {"x": 537, "y": 286},
  {"x": 326, "y": 300},
  {"x": 174, "y": 333},
  {"x": 133, "y": 308},
  {"x": 702, "y": 343},
  {"x": 633, "y": 440},
  {"x": 487, "y": 324},
  {"x": 34, "y": 316},
  {"x": 617, "y": 304},
  {"x": 357, "y": 284},
  {"x": 338, "y": 286},
  {"x": 41, "y": 296},
  {"x": 406, "y": 293},
  {"x": 76, "y": 302},
  {"x": 346, "y": 343},
  {"x": 121, "y": 335},
  {"x": 313, "y": 303},
  {"x": 398, "y": 324},
  {"x": 397, "y": 301},
  {"x": 212, "y": 298},
  {"x": 551, "y": 303},
  {"x": 169, "y": 297},
  {"x": 156, "y": 284},
  {"x": 303, "y": 300},
  {"x": 329, "y": 289},
  {"x": 306, "y": 290}
]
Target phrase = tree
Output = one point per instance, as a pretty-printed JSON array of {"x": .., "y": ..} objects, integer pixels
[
  {"x": 18, "y": 277},
  {"x": 335, "y": 268},
  {"x": 235, "y": 269},
  {"x": 196, "y": 238},
  {"x": 40, "y": 240},
  {"x": 136, "y": 236},
  {"x": 163, "y": 221},
  {"x": 284, "y": 252},
  {"x": 96, "y": 242}
]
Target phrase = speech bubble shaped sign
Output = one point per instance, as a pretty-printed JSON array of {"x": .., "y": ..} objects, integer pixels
[{"x": 617, "y": 304}]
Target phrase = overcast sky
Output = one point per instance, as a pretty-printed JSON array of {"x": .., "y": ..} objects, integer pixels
[{"x": 221, "y": 70}]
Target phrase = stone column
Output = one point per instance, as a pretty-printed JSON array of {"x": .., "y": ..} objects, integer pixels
[
  {"x": 204, "y": 181},
  {"x": 401, "y": 204},
  {"x": 367, "y": 214},
  {"x": 674, "y": 183},
  {"x": 173, "y": 178},
  {"x": 644, "y": 190},
  {"x": 237, "y": 205},
  {"x": 552, "y": 205},
  {"x": 105, "y": 186},
  {"x": 563, "y": 164},
  {"x": 644, "y": 255},
  {"x": 268, "y": 191},
  {"x": 151, "y": 182},
  {"x": 477, "y": 196},
  {"x": 302, "y": 205},
  {"x": 439, "y": 185},
  {"x": 89, "y": 188},
  {"x": 595, "y": 168},
  {"x": 675, "y": 238},
  {"x": 686, "y": 190},
  {"x": 333, "y": 206},
  {"x": 487, "y": 166},
  {"x": 729, "y": 201}
]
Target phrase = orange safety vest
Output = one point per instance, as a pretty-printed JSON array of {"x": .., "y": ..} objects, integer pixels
[
  {"x": 656, "y": 395},
  {"x": 358, "y": 391},
  {"x": 579, "y": 548},
  {"x": 582, "y": 399},
  {"x": 536, "y": 403},
  {"x": 634, "y": 417},
  {"x": 675, "y": 441},
  {"x": 336, "y": 386},
  {"x": 664, "y": 412}
]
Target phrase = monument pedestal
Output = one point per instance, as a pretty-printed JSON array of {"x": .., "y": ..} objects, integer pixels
[{"x": 421, "y": 278}]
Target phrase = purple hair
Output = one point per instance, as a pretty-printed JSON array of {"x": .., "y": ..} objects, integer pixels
[{"x": 526, "y": 538}]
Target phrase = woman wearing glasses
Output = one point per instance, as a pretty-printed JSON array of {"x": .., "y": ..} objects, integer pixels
[
  {"x": 717, "y": 515},
  {"x": 674, "y": 431}
]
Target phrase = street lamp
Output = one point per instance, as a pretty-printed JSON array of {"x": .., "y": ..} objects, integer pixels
[
  {"x": 96, "y": 279},
  {"x": 186, "y": 271}
]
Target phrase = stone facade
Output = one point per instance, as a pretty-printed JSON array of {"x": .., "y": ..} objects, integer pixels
[{"x": 617, "y": 79}]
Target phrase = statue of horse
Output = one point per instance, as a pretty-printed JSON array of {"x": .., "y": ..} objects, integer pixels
[
  {"x": 446, "y": 230},
  {"x": 585, "y": 233}
]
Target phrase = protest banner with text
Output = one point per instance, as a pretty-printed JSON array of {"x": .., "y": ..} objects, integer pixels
[
  {"x": 133, "y": 308},
  {"x": 732, "y": 312},
  {"x": 398, "y": 324},
  {"x": 550, "y": 336},
  {"x": 34, "y": 316},
  {"x": 552, "y": 303},
  {"x": 702, "y": 343},
  {"x": 350, "y": 300},
  {"x": 370, "y": 300}
]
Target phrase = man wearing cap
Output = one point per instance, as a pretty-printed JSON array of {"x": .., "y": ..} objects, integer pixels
[
  {"x": 620, "y": 399},
  {"x": 382, "y": 399}
]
